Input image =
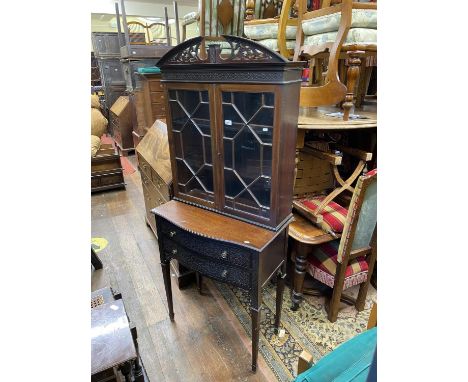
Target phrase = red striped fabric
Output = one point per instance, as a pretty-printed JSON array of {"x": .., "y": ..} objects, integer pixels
[{"x": 334, "y": 215}]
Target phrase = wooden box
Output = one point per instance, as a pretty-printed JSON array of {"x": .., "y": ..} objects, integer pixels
[
  {"x": 106, "y": 170},
  {"x": 120, "y": 124}
]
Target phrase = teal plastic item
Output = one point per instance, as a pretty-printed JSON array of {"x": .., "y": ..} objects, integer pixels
[
  {"x": 150, "y": 69},
  {"x": 350, "y": 361}
]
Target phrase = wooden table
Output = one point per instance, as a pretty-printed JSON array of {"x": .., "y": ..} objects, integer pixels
[{"x": 224, "y": 249}]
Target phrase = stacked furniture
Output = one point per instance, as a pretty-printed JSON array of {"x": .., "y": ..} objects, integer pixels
[
  {"x": 150, "y": 101},
  {"x": 106, "y": 48},
  {"x": 106, "y": 170},
  {"x": 232, "y": 132},
  {"x": 140, "y": 49},
  {"x": 156, "y": 178}
]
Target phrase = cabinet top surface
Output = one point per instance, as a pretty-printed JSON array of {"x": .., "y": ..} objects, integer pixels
[{"x": 215, "y": 226}]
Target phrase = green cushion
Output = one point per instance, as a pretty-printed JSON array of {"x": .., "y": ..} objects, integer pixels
[
  {"x": 355, "y": 35},
  {"x": 149, "y": 69},
  {"x": 268, "y": 30},
  {"x": 272, "y": 43},
  {"x": 362, "y": 18},
  {"x": 350, "y": 361}
]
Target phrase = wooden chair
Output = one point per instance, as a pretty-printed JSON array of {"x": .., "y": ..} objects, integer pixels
[
  {"x": 346, "y": 30},
  {"x": 216, "y": 17},
  {"x": 348, "y": 260}
]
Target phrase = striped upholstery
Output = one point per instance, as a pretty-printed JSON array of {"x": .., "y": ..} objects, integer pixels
[
  {"x": 322, "y": 263},
  {"x": 333, "y": 214}
]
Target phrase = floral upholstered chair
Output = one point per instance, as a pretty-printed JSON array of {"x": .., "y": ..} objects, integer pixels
[{"x": 348, "y": 261}]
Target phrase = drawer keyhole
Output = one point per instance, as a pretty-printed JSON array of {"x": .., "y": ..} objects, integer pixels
[
  {"x": 224, "y": 274},
  {"x": 224, "y": 255},
  {"x": 172, "y": 233},
  {"x": 174, "y": 251}
]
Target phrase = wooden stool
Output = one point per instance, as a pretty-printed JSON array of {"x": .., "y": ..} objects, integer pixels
[{"x": 113, "y": 341}]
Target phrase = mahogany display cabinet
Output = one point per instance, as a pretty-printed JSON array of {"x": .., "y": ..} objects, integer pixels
[{"x": 232, "y": 123}]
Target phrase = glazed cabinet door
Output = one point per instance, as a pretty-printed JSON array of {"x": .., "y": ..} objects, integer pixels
[
  {"x": 246, "y": 121},
  {"x": 190, "y": 124}
]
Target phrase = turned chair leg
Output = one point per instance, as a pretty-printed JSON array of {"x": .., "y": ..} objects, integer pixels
[
  {"x": 299, "y": 274},
  {"x": 354, "y": 63}
]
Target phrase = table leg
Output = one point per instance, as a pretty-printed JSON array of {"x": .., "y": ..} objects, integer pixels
[
  {"x": 199, "y": 278},
  {"x": 166, "y": 270},
  {"x": 255, "y": 314},
  {"x": 279, "y": 295},
  {"x": 299, "y": 275},
  {"x": 126, "y": 369},
  {"x": 137, "y": 369}
]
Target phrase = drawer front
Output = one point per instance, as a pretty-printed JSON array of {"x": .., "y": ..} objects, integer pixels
[
  {"x": 156, "y": 86},
  {"x": 158, "y": 109},
  {"x": 223, "y": 252},
  {"x": 144, "y": 166},
  {"x": 217, "y": 270},
  {"x": 160, "y": 185},
  {"x": 115, "y": 178},
  {"x": 157, "y": 97}
]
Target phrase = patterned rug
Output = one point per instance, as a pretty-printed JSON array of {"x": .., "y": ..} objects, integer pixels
[{"x": 306, "y": 329}]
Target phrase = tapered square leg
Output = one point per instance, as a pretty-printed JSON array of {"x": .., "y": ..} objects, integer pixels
[
  {"x": 255, "y": 313},
  {"x": 279, "y": 297},
  {"x": 166, "y": 270}
]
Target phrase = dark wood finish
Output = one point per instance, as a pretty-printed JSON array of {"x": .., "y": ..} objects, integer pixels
[
  {"x": 132, "y": 266},
  {"x": 110, "y": 348},
  {"x": 106, "y": 170},
  {"x": 252, "y": 77},
  {"x": 95, "y": 260},
  {"x": 121, "y": 124},
  {"x": 222, "y": 248}
]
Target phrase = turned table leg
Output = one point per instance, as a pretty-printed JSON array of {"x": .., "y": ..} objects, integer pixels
[
  {"x": 126, "y": 369},
  {"x": 354, "y": 63},
  {"x": 166, "y": 270},
  {"x": 299, "y": 274}
]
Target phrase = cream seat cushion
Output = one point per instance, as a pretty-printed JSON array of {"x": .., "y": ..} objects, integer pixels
[
  {"x": 355, "y": 35},
  {"x": 361, "y": 18},
  {"x": 268, "y": 31},
  {"x": 272, "y": 43}
]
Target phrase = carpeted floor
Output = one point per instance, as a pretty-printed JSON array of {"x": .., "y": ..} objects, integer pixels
[
  {"x": 306, "y": 329},
  {"x": 127, "y": 166}
]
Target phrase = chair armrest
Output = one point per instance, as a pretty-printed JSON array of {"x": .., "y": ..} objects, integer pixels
[
  {"x": 329, "y": 157},
  {"x": 360, "y": 154},
  {"x": 304, "y": 362}
]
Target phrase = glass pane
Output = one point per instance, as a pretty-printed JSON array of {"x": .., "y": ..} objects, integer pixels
[
  {"x": 248, "y": 137},
  {"x": 192, "y": 138}
]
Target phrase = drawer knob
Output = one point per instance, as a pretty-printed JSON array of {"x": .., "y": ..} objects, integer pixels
[
  {"x": 224, "y": 255},
  {"x": 174, "y": 251},
  {"x": 224, "y": 274},
  {"x": 172, "y": 233}
]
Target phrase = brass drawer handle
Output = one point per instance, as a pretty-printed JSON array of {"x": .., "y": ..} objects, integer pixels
[
  {"x": 174, "y": 251},
  {"x": 224, "y": 274},
  {"x": 172, "y": 233},
  {"x": 224, "y": 255}
]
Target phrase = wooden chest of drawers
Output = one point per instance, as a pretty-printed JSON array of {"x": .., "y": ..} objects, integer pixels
[
  {"x": 106, "y": 170},
  {"x": 154, "y": 101},
  {"x": 121, "y": 125}
]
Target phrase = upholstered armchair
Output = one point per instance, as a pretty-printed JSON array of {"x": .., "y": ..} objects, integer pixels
[
  {"x": 341, "y": 30},
  {"x": 216, "y": 17}
]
